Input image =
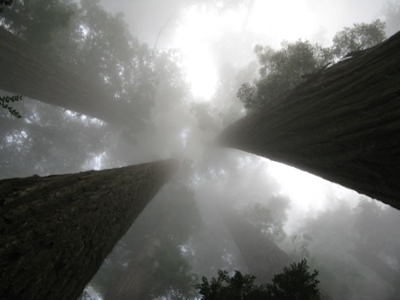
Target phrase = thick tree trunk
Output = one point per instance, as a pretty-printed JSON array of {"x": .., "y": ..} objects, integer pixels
[
  {"x": 26, "y": 71},
  {"x": 262, "y": 256},
  {"x": 342, "y": 124},
  {"x": 56, "y": 231}
]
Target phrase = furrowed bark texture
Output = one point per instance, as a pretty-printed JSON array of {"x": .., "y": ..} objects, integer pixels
[
  {"x": 56, "y": 231},
  {"x": 263, "y": 257},
  {"x": 26, "y": 71},
  {"x": 343, "y": 124}
]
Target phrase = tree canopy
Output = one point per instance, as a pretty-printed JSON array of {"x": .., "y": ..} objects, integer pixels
[
  {"x": 284, "y": 69},
  {"x": 295, "y": 282}
]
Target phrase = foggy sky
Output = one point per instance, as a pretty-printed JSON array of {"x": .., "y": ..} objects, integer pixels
[{"x": 185, "y": 127}]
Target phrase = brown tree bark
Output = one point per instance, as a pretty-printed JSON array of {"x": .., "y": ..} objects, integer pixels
[
  {"x": 27, "y": 72},
  {"x": 56, "y": 231},
  {"x": 342, "y": 124}
]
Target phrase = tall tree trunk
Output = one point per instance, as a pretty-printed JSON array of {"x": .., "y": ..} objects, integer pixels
[
  {"x": 26, "y": 71},
  {"x": 134, "y": 281},
  {"x": 342, "y": 124},
  {"x": 375, "y": 264},
  {"x": 56, "y": 231},
  {"x": 262, "y": 256}
]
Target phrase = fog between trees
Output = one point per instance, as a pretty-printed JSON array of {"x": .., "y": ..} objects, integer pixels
[{"x": 113, "y": 91}]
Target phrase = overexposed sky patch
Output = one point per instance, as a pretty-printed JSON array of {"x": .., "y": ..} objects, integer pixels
[{"x": 198, "y": 27}]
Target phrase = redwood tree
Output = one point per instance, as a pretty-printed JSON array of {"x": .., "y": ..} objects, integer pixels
[
  {"x": 26, "y": 71},
  {"x": 342, "y": 124},
  {"x": 56, "y": 231},
  {"x": 262, "y": 256}
]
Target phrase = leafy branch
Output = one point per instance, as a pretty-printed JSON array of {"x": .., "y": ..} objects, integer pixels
[{"x": 4, "y": 103}]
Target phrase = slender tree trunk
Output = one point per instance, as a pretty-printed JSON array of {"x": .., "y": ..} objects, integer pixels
[
  {"x": 133, "y": 283},
  {"x": 375, "y": 264},
  {"x": 262, "y": 256},
  {"x": 26, "y": 71},
  {"x": 342, "y": 124},
  {"x": 56, "y": 231}
]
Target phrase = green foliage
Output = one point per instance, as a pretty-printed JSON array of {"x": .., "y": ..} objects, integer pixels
[
  {"x": 172, "y": 275},
  {"x": 295, "y": 282},
  {"x": 301, "y": 245},
  {"x": 4, "y": 103},
  {"x": 282, "y": 70},
  {"x": 359, "y": 37},
  {"x": 225, "y": 287},
  {"x": 266, "y": 220},
  {"x": 37, "y": 21}
]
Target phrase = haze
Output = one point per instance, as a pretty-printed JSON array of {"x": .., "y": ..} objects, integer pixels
[{"x": 186, "y": 62}]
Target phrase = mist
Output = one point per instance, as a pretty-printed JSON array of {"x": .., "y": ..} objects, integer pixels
[{"x": 162, "y": 80}]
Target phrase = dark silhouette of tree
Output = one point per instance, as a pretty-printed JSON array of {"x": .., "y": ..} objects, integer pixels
[
  {"x": 263, "y": 258},
  {"x": 56, "y": 231},
  {"x": 341, "y": 124},
  {"x": 295, "y": 282}
]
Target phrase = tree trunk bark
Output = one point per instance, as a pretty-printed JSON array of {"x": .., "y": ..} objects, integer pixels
[
  {"x": 342, "y": 124},
  {"x": 56, "y": 231},
  {"x": 27, "y": 72}
]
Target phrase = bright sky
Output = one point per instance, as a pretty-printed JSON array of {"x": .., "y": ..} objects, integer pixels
[
  {"x": 308, "y": 193},
  {"x": 274, "y": 21}
]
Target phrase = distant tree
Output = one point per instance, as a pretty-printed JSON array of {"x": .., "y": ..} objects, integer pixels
[
  {"x": 267, "y": 220},
  {"x": 392, "y": 16},
  {"x": 295, "y": 282},
  {"x": 148, "y": 262},
  {"x": 89, "y": 63},
  {"x": 282, "y": 70},
  {"x": 56, "y": 231},
  {"x": 37, "y": 21},
  {"x": 262, "y": 256},
  {"x": 359, "y": 37}
]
